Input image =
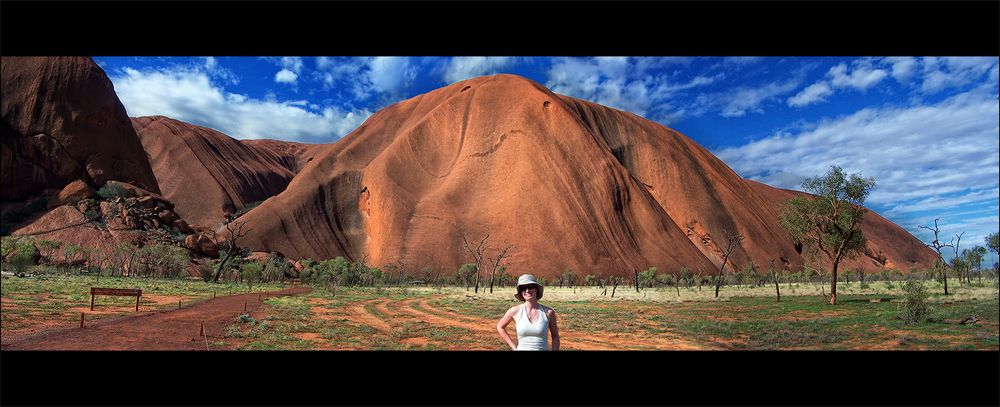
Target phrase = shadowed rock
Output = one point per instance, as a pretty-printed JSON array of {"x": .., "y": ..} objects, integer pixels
[
  {"x": 211, "y": 176},
  {"x": 62, "y": 121}
]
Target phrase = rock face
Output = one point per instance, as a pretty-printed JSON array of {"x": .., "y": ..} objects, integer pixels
[
  {"x": 62, "y": 121},
  {"x": 210, "y": 175},
  {"x": 571, "y": 184}
]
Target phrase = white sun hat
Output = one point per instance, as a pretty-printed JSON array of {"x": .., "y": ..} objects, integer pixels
[{"x": 527, "y": 279}]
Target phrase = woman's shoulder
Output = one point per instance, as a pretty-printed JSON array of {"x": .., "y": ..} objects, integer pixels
[{"x": 548, "y": 309}]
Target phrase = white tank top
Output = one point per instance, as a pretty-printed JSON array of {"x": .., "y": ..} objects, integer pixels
[{"x": 532, "y": 335}]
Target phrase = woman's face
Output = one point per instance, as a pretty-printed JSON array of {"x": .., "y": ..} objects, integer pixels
[{"x": 529, "y": 292}]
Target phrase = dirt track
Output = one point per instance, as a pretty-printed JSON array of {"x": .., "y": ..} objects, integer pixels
[
  {"x": 483, "y": 328},
  {"x": 164, "y": 330}
]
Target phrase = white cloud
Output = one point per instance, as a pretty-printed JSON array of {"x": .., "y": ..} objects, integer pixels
[
  {"x": 190, "y": 95},
  {"x": 286, "y": 76},
  {"x": 391, "y": 75},
  {"x": 954, "y": 72},
  {"x": 861, "y": 78},
  {"x": 624, "y": 83},
  {"x": 813, "y": 94},
  {"x": 741, "y": 100},
  {"x": 924, "y": 158},
  {"x": 462, "y": 68},
  {"x": 903, "y": 68}
]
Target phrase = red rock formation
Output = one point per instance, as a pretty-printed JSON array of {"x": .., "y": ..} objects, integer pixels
[
  {"x": 210, "y": 175},
  {"x": 62, "y": 121},
  {"x": 570, "y": 183}
]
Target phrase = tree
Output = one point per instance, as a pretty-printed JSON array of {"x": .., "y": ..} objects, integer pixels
[
  {"x": 496, "y": 263},
  {"x": 251, "y": 271},
  {"x": 734, "y": 241},
  {"x": 647, "y": 277},
  {"x": 937, "y": 245},
  {"x": 993, "y": 242},
  {"x": 228, "y": 247},
  {"x": 477, "y": 254},
  {"x": 830, "y": 221}
]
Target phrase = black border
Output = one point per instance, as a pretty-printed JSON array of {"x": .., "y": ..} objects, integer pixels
[
  {"x": 440, "y": 378},
  {"x": 500, "y": 28}
]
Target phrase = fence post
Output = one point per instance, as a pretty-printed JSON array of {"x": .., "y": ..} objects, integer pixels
[{"x": 81, "y": 320}]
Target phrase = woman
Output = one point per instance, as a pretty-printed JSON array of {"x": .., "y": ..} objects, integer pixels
[{"x": 532, "y": 320}]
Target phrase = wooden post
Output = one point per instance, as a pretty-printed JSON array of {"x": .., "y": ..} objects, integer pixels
[
  {"x": 178, "y": 304},
  {"x": 137, "y": 303},
  {"x": 81, "y": 320},
  {"x": 258, "y": 296},
  {"x": 202, "y": 328},
  {"x": 244, "y": 307},
  {"x": 91, "y": 300}
]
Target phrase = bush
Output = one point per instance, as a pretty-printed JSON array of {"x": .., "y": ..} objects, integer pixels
[
  {"x": 914, "y": 307},
  {"x": 113, "y": 190},
  {"x": 22, "y": 252}
]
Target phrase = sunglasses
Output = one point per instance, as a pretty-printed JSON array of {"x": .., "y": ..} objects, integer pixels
[{"x": 528, "y": 287}]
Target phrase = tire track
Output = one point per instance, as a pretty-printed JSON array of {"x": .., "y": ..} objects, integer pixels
[{"x": 617, "y": 341}]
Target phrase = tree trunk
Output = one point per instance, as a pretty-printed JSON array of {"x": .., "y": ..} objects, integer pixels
[
  {"x": 833, "y": 284},
  {"x": 777, "y": 289},
  {"x": 636, "y": 273},
  {"x": 944, "y": 275},
  {"x": 477, "y": 280}
]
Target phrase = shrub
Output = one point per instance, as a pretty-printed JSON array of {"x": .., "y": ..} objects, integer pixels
[
  {"x": 251, "y": 271},
  {"x": 22, "y": 252},
  {"x": 914, "y": 307},
  {"x": 113, "y": 190},
  {"x": 246, "y": 319}
]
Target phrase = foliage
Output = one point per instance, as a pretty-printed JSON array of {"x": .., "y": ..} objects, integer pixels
[
  {"x": 113, "y": 190},
  {"x": 251, "y": 273},
  {"x": 18, "y": 253},
  {"x": 914, "y": 307},
  {"x": 647, "y": 278},
  {"x": 993, "y": 242},
  {"x": 164, "y": 260},
  {"x": 466, "y": 275},
  {"x": 277, "y": 268},
  {"x": 569, "y": 277},
  {"x": 829, "y": 222}
]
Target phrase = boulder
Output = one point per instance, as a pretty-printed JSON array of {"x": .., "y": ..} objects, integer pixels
[
  {"x": 203, "y": 244},
  {"x": 75, "y": 192},
  {"x": 182, "y": 226}
]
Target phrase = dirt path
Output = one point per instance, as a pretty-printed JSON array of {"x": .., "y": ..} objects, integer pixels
[
  {"x": 393, "y": 313},
  {"x": 166, "y": 330}
]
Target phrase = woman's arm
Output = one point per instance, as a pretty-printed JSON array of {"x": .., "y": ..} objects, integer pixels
[
  {"x": 553, "y": 328},
  {"x": 502, "y": 327}
]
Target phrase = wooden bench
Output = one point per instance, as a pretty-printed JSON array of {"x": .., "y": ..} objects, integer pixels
[{"x": 121, "y": 292}]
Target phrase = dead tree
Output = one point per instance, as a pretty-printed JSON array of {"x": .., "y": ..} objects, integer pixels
[
  {"x": 635, "y": 272},
  {"x": 614, "y": 280},
  {"x": 477, "y": 254},
  {"x": 496, "y": 263},
  {"x": 937, "y": 246},
  {"x": 774, "y": 275},
  {"x": 955, "y": 247},
  {"x": 228, "y": 247},
  {"x": 734, "y": 241}
]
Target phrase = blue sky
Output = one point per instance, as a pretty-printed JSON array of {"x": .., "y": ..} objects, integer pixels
[{"x": 926, "y": 128}]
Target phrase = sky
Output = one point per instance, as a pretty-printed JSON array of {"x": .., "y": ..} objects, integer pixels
[{"x": 926, "y": 128}]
